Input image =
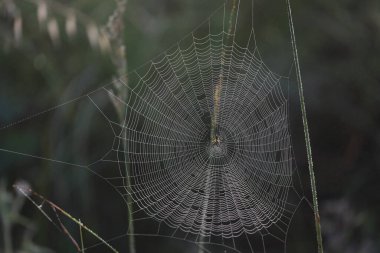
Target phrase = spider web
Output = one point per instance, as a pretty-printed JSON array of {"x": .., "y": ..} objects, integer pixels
[{"x": 237, "y": 191}]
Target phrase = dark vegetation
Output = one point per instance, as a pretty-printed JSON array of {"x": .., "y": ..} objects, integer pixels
[{"x": 40, "y": 66}]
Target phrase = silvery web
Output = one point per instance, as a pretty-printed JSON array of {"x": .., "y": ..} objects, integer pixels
[{"x": 237, "y": 193}]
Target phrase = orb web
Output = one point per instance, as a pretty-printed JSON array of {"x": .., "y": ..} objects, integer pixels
[
  {"x": 204, "y": 150},
  {"x": 179, "y": 176},
  {"x": 234, "y": 186}
]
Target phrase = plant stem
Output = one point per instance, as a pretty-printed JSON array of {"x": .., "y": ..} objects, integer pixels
[
  {"x": 81, "y": 238},
  {"x": 7, "y": 235},
  {"x": 5, "y": 219},
  {"x": 306, "y": 132},
  {"x": 218, "y": 86},
  {"x": 28, "y": 192},
  {"x": 115, "y": 28},
  {"x": 214, "y": 120},
  {"x": 83, "y": 226}
]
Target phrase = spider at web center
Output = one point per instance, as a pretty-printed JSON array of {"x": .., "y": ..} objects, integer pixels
[
  {"x": 218, "y": 148},
  {"x": 218, "y": 151}
]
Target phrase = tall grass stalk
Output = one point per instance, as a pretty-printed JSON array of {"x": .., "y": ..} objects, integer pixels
[
  {"x": 115, "y": 32},
  {"x": 306, "y": 132}
]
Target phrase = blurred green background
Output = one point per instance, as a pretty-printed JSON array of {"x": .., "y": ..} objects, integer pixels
[{"x": 42, "y": 66}]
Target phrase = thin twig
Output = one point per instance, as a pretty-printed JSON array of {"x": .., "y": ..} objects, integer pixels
[
  {"x": 81, "y": 237},
  {"x": 29, "y": 192},
  {"x": 66, "y": 231}
]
